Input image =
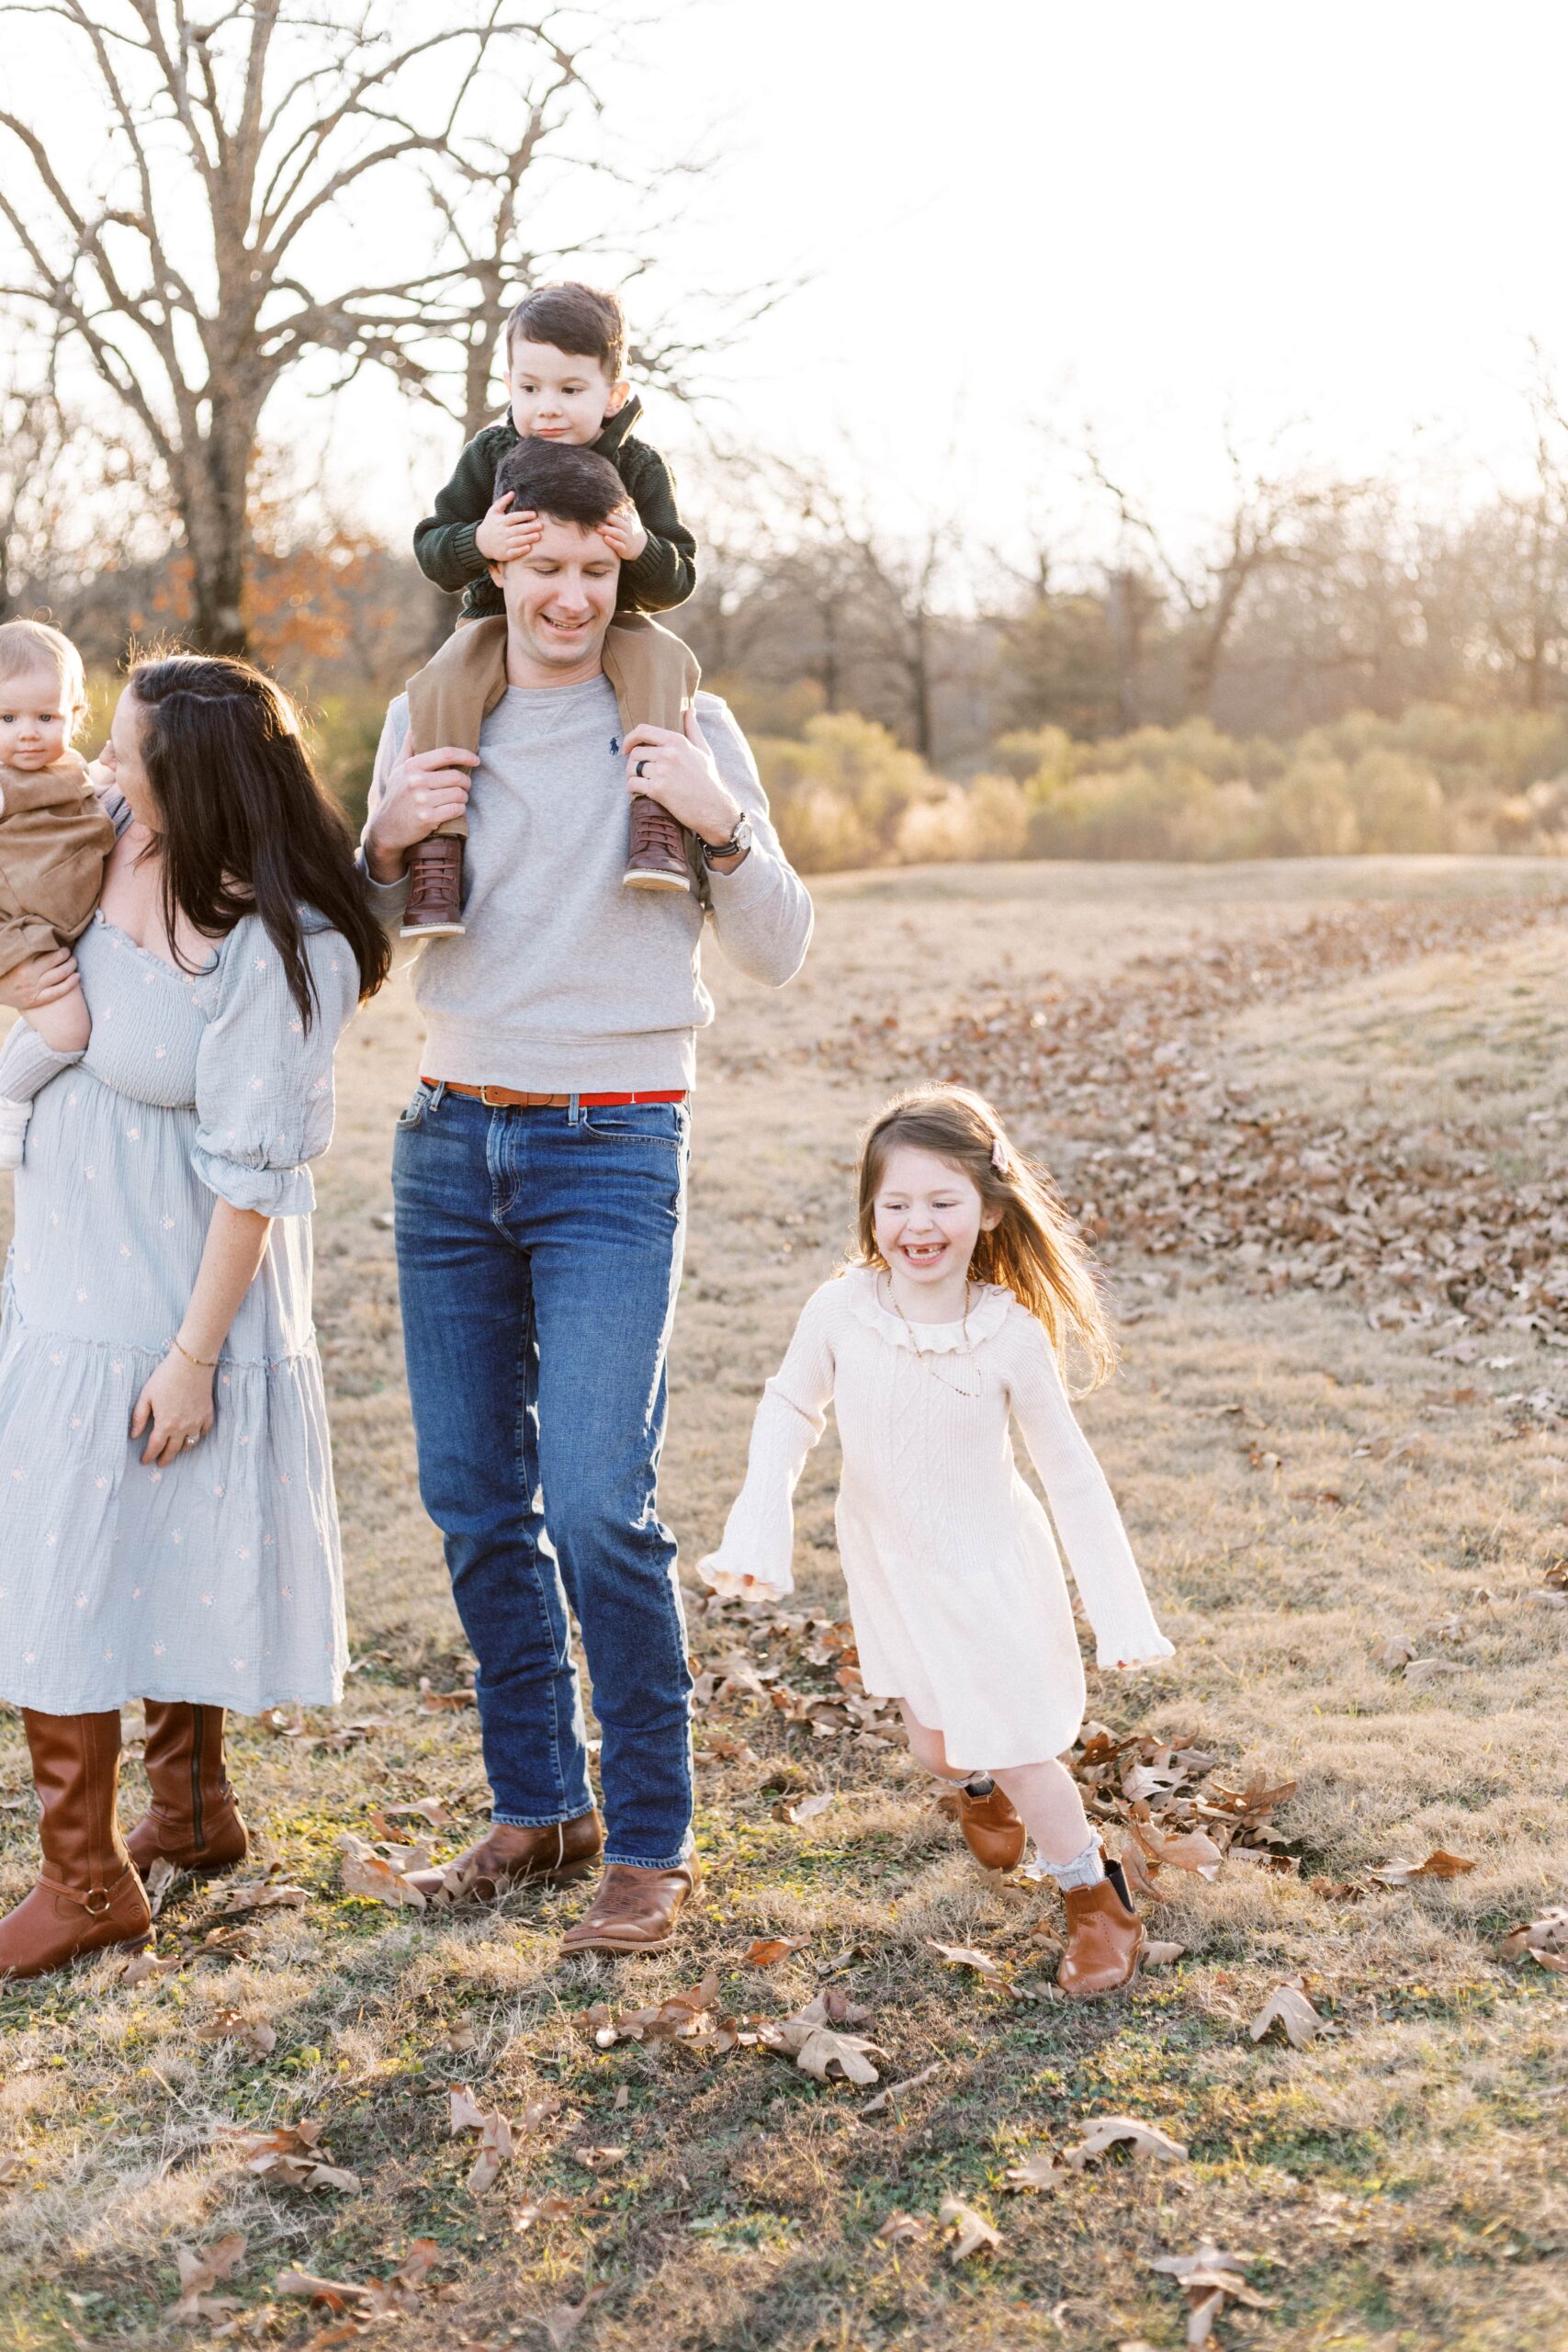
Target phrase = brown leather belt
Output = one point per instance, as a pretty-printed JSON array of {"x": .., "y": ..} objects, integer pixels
[{"x": 506, "y": 1098}]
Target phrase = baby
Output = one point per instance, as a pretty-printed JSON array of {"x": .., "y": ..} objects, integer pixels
[
  {"x": 54, "y": 841},
  {"x": 564, "y": 360}
]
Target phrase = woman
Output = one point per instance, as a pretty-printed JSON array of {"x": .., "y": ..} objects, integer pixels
[{"x": 170, "y": 1531}]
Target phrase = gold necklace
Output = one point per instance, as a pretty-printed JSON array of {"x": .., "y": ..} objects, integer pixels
[{"x": 928, "y": 1362}]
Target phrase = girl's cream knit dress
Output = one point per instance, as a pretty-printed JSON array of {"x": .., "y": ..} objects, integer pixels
[{"x": 955, "y": 1584}]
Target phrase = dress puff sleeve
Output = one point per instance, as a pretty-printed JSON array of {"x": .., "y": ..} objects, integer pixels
[
  {"x": 1081, "y": 1503},
  {"x": 758, "y": 1534},
  {"x": 263, "y": 1080}
]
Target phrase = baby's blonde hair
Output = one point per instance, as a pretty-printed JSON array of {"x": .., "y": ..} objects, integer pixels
[
  {"x": 30, "y": 646},
  {"x": 1033, "y": 1250}
]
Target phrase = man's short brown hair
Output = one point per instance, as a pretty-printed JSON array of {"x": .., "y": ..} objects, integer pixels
[
  {"x": 575, "y": 317},
  {"x": 558, "y": 478}
]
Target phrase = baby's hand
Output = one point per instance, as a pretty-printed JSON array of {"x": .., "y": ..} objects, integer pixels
[
  {"x": 502, "y": 536},
  {"x": 624, "y": 532}
]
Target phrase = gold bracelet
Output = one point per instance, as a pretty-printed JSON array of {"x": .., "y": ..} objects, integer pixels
[{"x": 202, "y": 1364}]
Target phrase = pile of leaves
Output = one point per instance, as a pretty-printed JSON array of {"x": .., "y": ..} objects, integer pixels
[
  {"x": 1175, "y": 1808},
  {"x": 1161, "y": 1154},
  {"x": 803, "y": 1667}
]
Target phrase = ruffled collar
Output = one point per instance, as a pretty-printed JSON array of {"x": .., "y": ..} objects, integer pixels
[{"x": 987, "y": 1312}]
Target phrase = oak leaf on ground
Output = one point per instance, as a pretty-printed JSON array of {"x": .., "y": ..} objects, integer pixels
[
  {"x": 1437, "y": 1864},
  {"x": 1289, "y": 2008},
  {"x": 971, "y": 2231},
  {"x": 1108, "y": 2132}
]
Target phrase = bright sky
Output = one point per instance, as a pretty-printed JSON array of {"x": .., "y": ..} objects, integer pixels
[{"x": 1156, "y": 213}]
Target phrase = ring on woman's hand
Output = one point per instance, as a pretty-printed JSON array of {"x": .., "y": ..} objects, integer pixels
[
  {"x": 190, "y": 1441},
  {"x": 641, "y": 768}
]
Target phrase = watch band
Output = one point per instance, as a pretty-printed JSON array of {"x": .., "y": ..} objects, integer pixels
[{"x": 741, "y": 839}]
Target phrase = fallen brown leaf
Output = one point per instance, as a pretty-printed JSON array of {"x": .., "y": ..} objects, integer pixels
[
  {"x": 1544, "y": 1938},
  {"x": 229, "y": 2025},
  {"x": 796, "y": 1810},
  {"x": 496, "y": 2147},
  {"x": 902, "y": 2228},
  {"x": 1437, "y": 1864},
  {"x": 1041, "y": 2170},
  {"x": 199, "y": 2273},
  {"x": 1192, "y": 1850},
  {"x": 365, "y": 1873},
  {"x": 1108, "y": 2132},
  {"x": 160, "y": 1878},
  {"x": 143, "y": 1965},
  {"x": 967, "y": 1956},
  {"x": 464, "y": 2113},
  {"x": 1395, "y": 1651},
  {"x": 767, "y": 1950},
  {"x": 563, "y": 2324},
  {"x": 261, "y": 1894},
  {"x": 1288, "y": 2008},
  {"x": 971, "y": 2231},
  {"x": 551, "y": 2207},
  {"x": 896, "y": 2090}
]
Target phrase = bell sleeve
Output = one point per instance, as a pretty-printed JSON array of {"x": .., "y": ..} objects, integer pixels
[
  {"x": 758, "y": 1534},
  {"x": 1081, "y": 1504},
  {"x": 263, "y": 1080}
]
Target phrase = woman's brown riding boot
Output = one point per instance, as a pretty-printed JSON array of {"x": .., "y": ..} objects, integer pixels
[
  {"x": 992, "y": 1831},
  {"x": 1105, "y": 1937},
  {"x": 87, "y": 1896},
  {"x": 193, "y": 1822}
]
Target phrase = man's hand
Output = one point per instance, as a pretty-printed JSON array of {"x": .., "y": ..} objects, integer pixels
[
  {"x": 502, "y": 537},
  {"x": 38, "y": 981},
  {"x": 623, "y": 531},
  {"x": 679, "y": 771},
  {"x": 422, "y": 791}
]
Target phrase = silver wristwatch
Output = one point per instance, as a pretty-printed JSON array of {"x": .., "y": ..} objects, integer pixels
[{"x": 740, "y": 840}]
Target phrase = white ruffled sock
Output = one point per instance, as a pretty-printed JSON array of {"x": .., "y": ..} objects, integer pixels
[{"x": 1085, "y": 1869}]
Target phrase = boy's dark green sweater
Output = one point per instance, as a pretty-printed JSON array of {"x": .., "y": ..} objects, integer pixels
[{"x": 663, "y": 575}]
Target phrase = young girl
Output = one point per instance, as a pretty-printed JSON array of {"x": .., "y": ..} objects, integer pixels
[
  {"x": 969, "y": 1290},
  {"x": 55, "y": 841}
]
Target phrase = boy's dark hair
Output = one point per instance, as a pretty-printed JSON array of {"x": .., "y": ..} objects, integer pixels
[
  {"x": 558, "y": 479},
  {"x": 575, "y": 317}
]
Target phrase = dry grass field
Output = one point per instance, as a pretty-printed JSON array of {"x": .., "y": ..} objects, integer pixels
[{"x": 1341, "y": 1445}]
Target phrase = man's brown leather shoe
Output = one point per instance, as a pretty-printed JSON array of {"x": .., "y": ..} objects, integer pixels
[
  {"x": 506, "y": 1857},
  {"x": 1105, "y": 1937},
  {"x": 992, "y": 1831},
  {"x": 657, "y": 859},
  {"x": 634, "y": 1910},
  {"x": 434, "y": 909},
  {"x": 194, "y": 1822}
]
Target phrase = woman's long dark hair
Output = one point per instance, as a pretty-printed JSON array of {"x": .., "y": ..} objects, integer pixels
[{"x": 245, "y": 824}]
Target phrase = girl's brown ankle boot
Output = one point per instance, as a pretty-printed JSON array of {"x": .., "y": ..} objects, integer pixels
[{"x": 1105, "y": 1937}]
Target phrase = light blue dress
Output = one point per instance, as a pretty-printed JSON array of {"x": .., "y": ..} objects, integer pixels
[{"x": 220, "y": 1580}]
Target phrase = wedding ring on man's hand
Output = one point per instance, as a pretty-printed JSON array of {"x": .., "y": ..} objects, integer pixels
[{"x": 641, "y": 769}]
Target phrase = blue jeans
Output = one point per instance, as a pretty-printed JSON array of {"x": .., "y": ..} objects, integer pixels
[{"x": 539, "y": 1257}]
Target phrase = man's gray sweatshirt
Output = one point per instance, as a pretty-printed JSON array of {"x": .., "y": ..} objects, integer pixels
[{"x": 565, "y": 982}]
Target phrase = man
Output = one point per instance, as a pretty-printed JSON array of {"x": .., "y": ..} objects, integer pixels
[{"x": 539, "y": 1177}]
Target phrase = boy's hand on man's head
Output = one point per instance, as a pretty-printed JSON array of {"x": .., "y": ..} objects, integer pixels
[
  {"x": 502, "y": 537},
  {"x": 624, "y": 533}
]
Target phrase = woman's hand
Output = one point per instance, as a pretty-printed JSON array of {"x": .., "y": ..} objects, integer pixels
[
  {"x": 38, "y": 981},
  {"x": 679, "y": 773},
  {"x": 424, "y": 789},
  {"x": 177, "y": 1407}
]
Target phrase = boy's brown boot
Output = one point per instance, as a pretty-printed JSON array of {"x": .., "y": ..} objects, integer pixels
[
  {"x": 992, "y": 1831},
  {"x": 1105, "y": 1937},
  {"x": 657, "y": 858},
  {"x": 434, "y": 909},
  {"x": 88, "y": 1896},
  {"x": 193, "y": 1822},
  {"x": 507, "y": 1856}
]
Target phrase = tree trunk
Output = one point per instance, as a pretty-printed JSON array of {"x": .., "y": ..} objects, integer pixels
[
  {"x": 213, "y": 493},
  {"x": 919, "y": 671}
]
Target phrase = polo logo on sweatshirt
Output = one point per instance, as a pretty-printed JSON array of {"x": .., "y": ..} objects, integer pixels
[{"x": 614, "y": 746}]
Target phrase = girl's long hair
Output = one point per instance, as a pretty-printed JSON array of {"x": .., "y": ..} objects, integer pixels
[
  {"x": 1033, "y": 1250},
  {"x": 245, "y": 824}
]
